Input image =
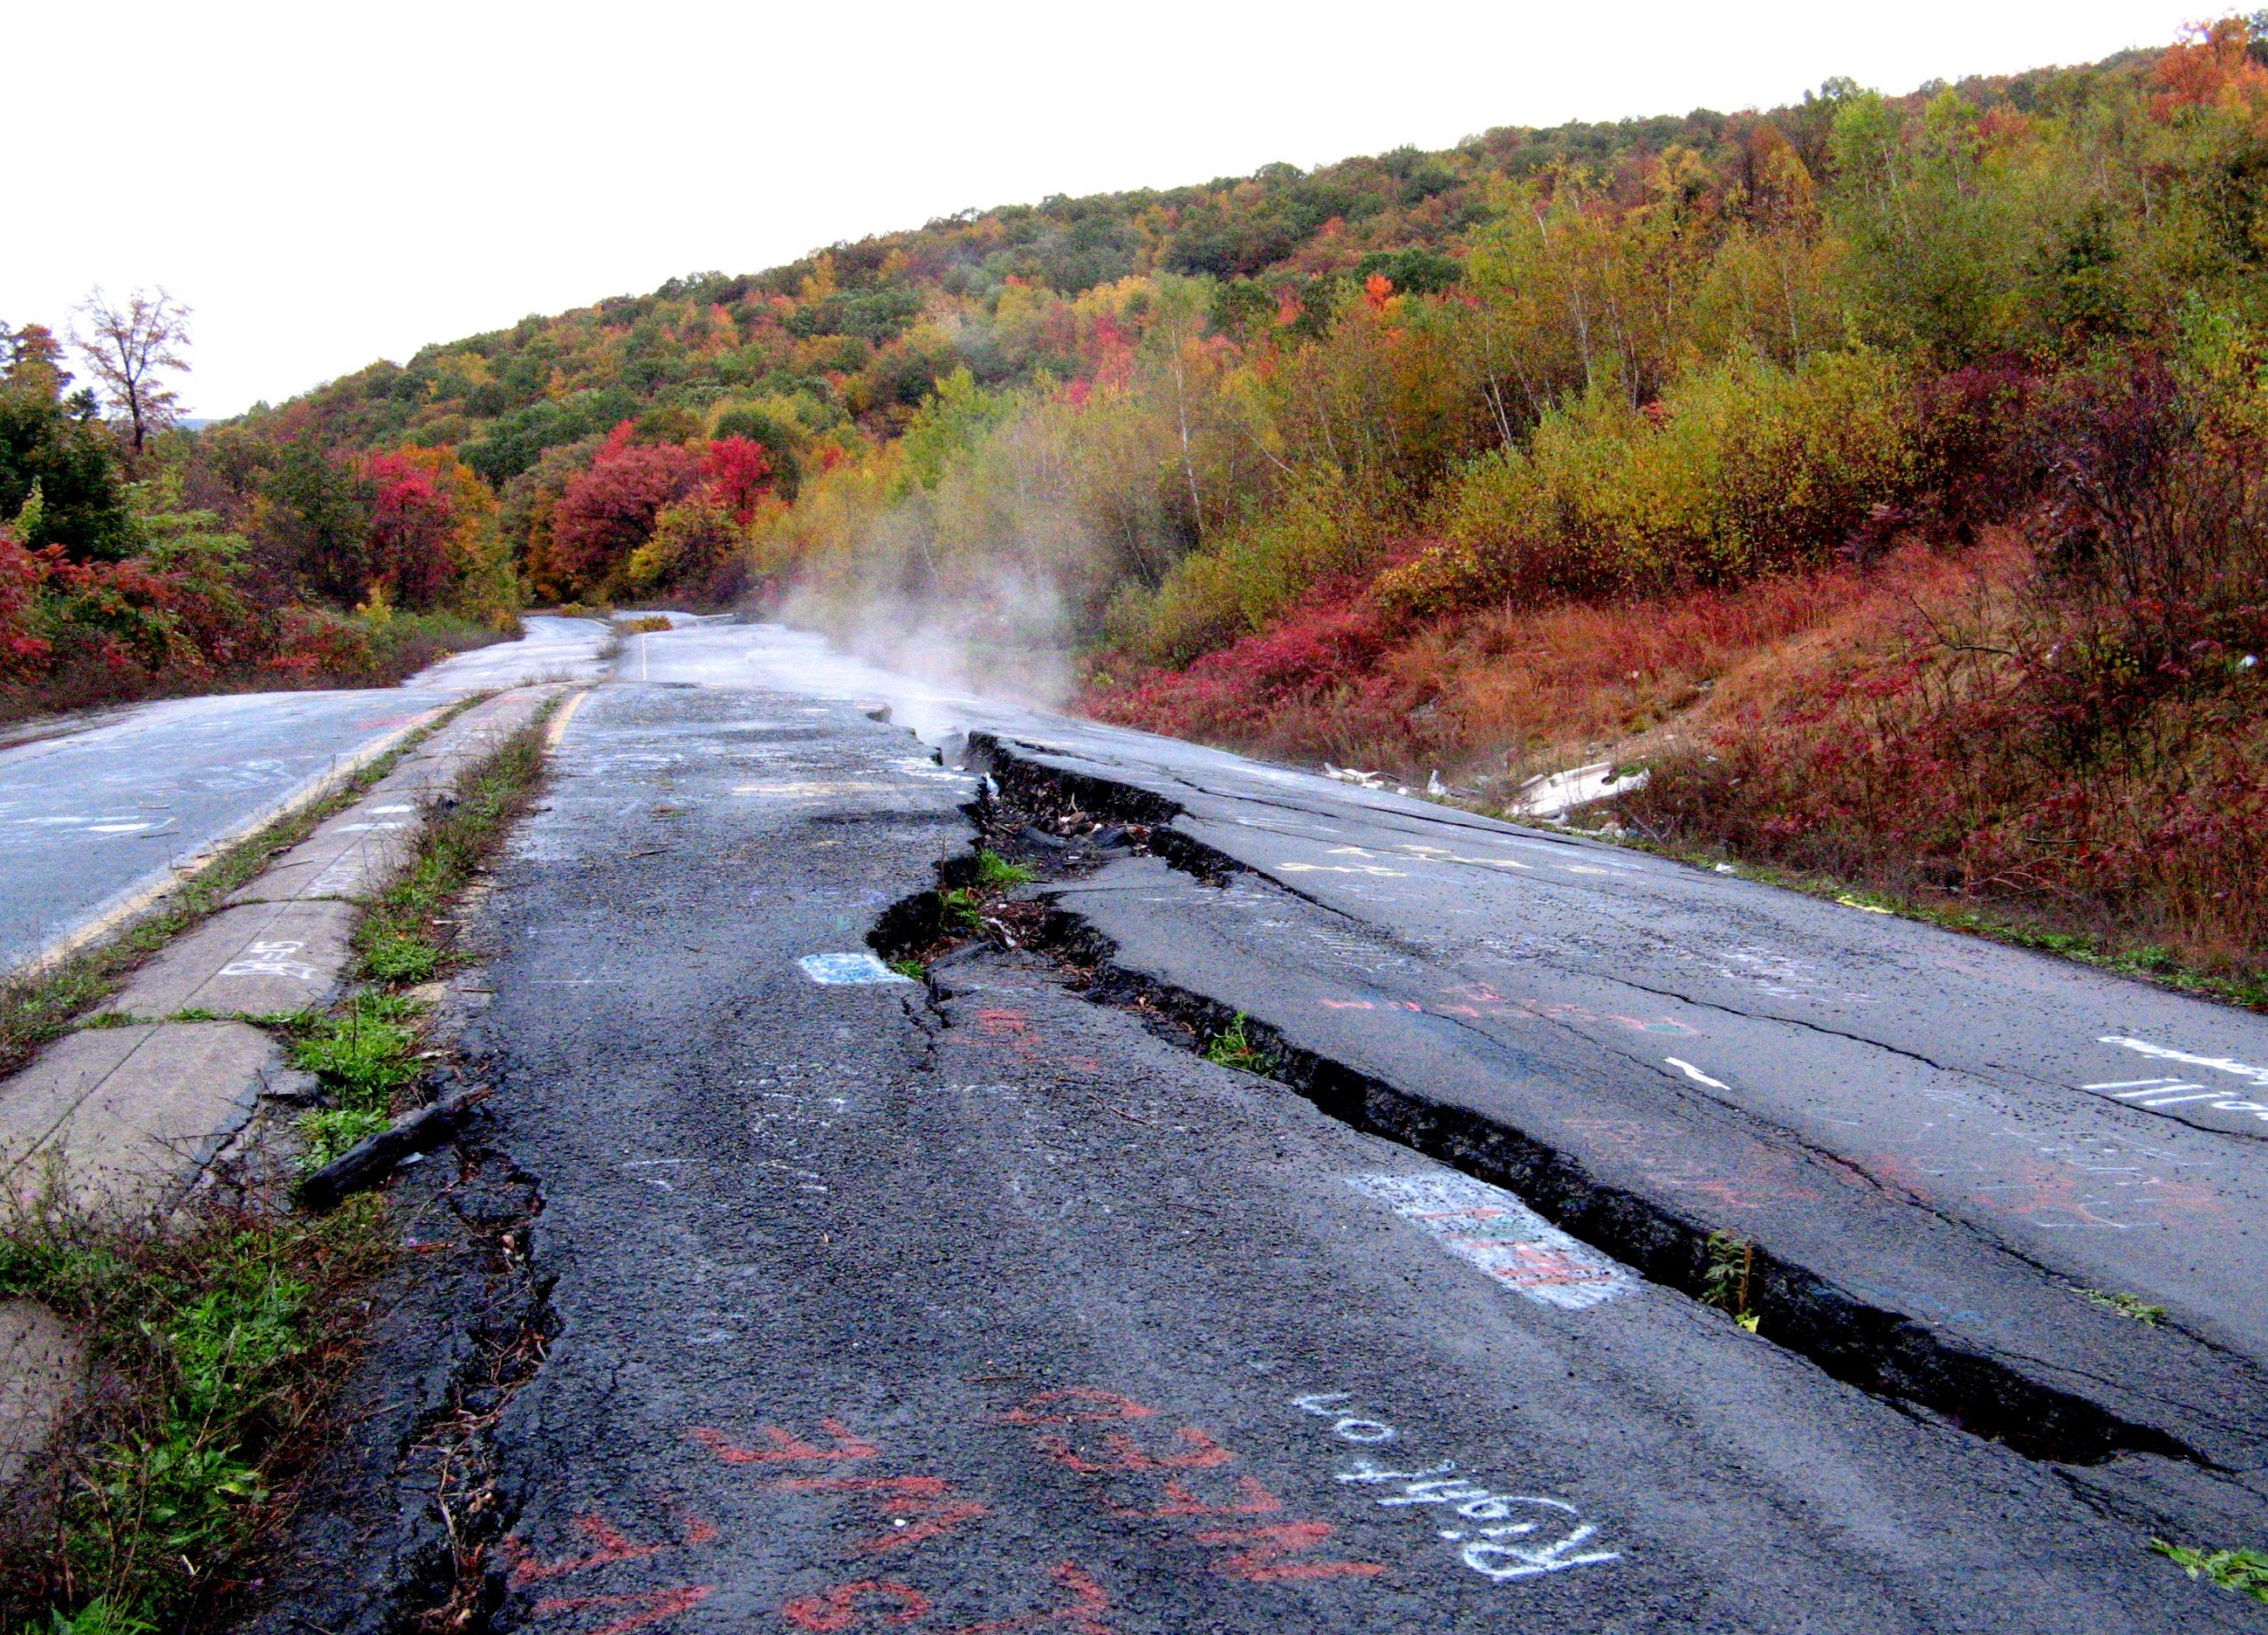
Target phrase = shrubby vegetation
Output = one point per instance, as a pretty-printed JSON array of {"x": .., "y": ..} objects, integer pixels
[
  {"x": 1362, "y": 462},
  {"x": 131, "y": 565}
]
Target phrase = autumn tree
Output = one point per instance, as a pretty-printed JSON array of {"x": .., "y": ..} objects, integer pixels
[
  {"x": 692, "y": 540},
  {"x": 607, "y": 511},
  {"x": 738, "y": 470},
  {"x": 130, "y": 348},
  {"x": 412, "y": 525}
]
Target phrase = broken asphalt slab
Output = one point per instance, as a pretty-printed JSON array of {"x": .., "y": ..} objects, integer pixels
[{"x": 975, "y": 1304}]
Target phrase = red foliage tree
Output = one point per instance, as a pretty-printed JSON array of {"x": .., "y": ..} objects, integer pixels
[
  {"x": 739, "y": 470},
  {"x": 607, "y": 511},
  {"x": 412, "y": 522},
  {"x": 22, "y": 650}
]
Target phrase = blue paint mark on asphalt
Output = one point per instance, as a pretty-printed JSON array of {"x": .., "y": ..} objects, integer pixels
[{"x": 836, "y": 969}]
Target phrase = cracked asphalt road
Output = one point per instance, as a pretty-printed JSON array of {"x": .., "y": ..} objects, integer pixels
[
  {"x": 97, "y": 813},
  {"x": 978, "y": 1305}
]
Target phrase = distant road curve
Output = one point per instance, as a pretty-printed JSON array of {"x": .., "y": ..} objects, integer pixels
[{"x": 96, "y": 816}]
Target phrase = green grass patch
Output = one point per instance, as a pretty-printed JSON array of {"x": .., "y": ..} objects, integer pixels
[
  {"x": 1234, "y": 1047},
  {"x": 960, "y": 910},
  {"x": 913, "y": 969},
  {"x": 218, "y": 1346},
  {"x": 364, "y": 1052},
  {"x": 998, "y": 874},
  {"x": 330, "y": 1132},
  {"x": 2245, "y": 1571},
  {"x": 401, "y": 940}
]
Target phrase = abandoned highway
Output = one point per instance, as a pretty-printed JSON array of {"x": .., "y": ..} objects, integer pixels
[
  {"x": 99, "y": 812},
  {"x": 1270, "y": 1204}
]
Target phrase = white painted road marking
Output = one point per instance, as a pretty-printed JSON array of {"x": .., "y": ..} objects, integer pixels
[
  {"x": 2186, "y": 1098},
  {"x": 2166, "y": 1052},
  {"x": 1491, "y": 1229},
  {"x": 1695, "y": 1074}
]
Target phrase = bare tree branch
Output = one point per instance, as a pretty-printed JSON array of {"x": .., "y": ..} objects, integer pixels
[{"x": 128, "y": 350}]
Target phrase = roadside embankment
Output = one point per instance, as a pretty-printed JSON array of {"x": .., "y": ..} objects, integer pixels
[{"x": 171, "y": 1325}]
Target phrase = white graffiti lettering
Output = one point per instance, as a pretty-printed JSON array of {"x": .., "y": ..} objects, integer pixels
[
  {"x": 1492, "y": 1518},
  {"x": 272, "y": 958}
]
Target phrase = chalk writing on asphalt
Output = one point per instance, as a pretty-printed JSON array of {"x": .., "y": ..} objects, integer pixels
[
  {"x": 1501, "y": 1535},
  {"x": 1491, "y": 1229},
  {"x": 271, "y": 959}
]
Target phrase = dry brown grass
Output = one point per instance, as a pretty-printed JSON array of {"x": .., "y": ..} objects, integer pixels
[{"x": 1495, "y": 696}]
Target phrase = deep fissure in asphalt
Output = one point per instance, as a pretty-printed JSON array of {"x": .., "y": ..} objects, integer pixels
[
  {"x": 991, "y": 1305},
  {"x": 1877, "y": 1352}
]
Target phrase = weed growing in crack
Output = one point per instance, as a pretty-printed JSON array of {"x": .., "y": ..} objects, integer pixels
[
  {"x": 392, "y": 955},
  {"x": 330, "y": 1132},
  {"x": 2245, "y": 1571},
  {"x": 2125, "y": 1305},
  {"x": 999, "y": 874},
  {"x": 218, "y": 1346},
  {"x": 912, "y": 970},
  {"x": 1231, "y": 1047},
  {"x": 1732, "y": 1264},
  {"x": 364, "y": 1055},
  {"x": 960, "y": 910}
]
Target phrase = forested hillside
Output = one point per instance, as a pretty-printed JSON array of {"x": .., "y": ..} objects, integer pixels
[
  {"x": 115, "y": 585},
  {"x": 1882, "y": 472}
]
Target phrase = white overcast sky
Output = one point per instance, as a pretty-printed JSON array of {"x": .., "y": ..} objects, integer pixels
[{"x": 326, "y": 184}]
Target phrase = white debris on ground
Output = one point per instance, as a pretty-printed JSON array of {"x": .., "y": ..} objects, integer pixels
[{"x": 1555, "y": 794}]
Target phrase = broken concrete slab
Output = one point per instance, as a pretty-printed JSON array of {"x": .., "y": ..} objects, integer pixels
[
  {"x": 41, "y": 1363},
  {"x": 122, "y": 1118},
  {"x": 255, "y": 960}
]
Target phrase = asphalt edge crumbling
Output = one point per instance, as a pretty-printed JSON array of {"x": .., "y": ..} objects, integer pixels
[{"x": 1884, "y": 1353}]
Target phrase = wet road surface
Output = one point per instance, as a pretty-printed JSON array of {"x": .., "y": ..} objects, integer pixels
[
  {"x": 94, "y": 819},
  {"x": 984, "y": 1303}
]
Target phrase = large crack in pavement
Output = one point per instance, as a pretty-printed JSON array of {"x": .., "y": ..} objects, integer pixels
[
  {"x": 984, "y": 1305},
  {"x": 2004, "y": 1395}
]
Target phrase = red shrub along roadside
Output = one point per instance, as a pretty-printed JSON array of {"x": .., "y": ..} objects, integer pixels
[
  {"x": 2089, "y": 750},
  {"x": 75, "y": 633},
  {"x": 1322, "y": 656}
]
